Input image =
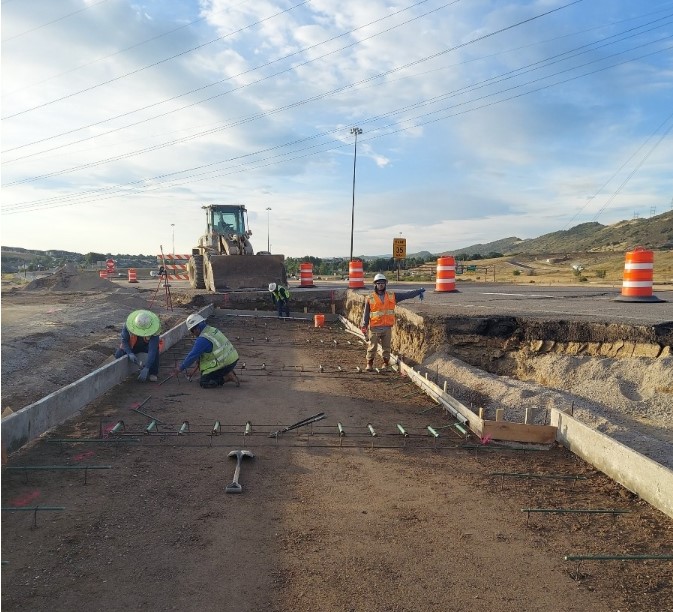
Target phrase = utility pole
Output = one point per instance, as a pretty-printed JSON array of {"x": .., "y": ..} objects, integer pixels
[{"x": 355, "y": 131}]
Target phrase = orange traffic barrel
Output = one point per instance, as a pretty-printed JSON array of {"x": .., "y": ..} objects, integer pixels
[
  {"x": 638, "y": 277},
  {"x": 306, "y": 275},
  {"x": 356, "y": 276},
  {"x": 446, "y": 274},
  {"x": 102, "y": 273},
  {"x": 133, "y": 276},
  {"x": 319, "y": 320}
]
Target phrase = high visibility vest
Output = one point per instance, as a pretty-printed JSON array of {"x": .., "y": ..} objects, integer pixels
[
  {"x": 223, "y": 353},
  {"x": 284, "y": 291},
  {"x": 382, "y": 313},
  {"x": 133, "y": 339}
]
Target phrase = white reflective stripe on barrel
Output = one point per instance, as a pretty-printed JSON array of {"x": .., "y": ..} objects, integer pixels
[
  {"x": 628, "y": 283},
  {"x": 639, "y": 266}
]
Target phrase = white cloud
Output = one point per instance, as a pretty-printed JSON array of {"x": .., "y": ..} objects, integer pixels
[{"x": 230, "y": 119}]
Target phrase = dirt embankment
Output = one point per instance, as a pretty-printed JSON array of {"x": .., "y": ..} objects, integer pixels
[{"x": 615, "y": 378}]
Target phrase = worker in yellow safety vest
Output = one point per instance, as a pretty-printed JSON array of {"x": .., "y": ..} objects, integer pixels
[
  {"x": 281, "y": 298},
  {"x": 379, "y": 318},
  {"x": 216, "y": 354}
]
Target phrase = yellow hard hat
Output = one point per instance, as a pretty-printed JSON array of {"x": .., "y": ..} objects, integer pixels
[{"x": 143, "y": 323}]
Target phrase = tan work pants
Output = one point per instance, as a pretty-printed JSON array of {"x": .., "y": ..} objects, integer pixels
[{"x": 383, "y": 336}]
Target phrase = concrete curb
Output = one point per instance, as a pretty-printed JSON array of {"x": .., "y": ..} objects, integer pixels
[
  {"x": 641, "y": 475},
  {"x": 35, "y": 419}
]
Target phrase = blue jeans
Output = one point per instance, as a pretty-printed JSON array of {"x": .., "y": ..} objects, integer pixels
[
  {"x": 141, "y": 347},
  {"x": 215, "y": 378},
  {"x": 283, "y": 307}
]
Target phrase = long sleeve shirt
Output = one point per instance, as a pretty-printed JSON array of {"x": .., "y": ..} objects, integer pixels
[
  {"x": 201, "y": 345},
  {"x": 400, "y": 296},
  {"x": 152, "y": 346}
]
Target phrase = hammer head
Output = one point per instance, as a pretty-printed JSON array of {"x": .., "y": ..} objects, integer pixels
[{"x": 241, "y": 454}]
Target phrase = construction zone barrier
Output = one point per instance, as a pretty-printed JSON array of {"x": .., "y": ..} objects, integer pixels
[
  {"x": 356, "y": 276},
  {"x": 306, "y": 275},
  {"x": 638, "y": 277},
  {"x": 175, "y": 266},
  {"x": 110, "y": 266},
  {"x": 319, "y": 320},
  {"x": 133, "y": 275},
  {"x": 446, "y": 274},
  {"x": 102, "y": 273}
]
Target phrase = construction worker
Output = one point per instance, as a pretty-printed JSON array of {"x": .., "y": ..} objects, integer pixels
[
  {"x": 140, "y": 341},
  {"x": 379, "y": 317},
  {"x": 281, "y": 298},
  {"x": 217, "y": 356}
]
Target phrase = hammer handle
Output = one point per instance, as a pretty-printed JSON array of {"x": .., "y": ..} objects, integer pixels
[{"x": 237, "y": 471}]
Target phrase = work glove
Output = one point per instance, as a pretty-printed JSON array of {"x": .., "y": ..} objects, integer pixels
[
  {"x": 133, "y": 358},
  {"x": 142, "y": 377},
  {"x": 421, "y": 294}
]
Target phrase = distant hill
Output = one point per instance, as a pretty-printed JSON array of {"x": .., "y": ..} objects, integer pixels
[{"x": 654, "y": 233}]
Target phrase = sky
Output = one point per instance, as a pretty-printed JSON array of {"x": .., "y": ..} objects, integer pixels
[{"x": 479, "y": 120}]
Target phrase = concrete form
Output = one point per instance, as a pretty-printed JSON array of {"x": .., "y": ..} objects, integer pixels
[{"x": 35, "y": 419}]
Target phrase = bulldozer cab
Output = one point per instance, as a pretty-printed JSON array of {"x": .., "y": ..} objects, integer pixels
[{"x": 223, "y": 219}]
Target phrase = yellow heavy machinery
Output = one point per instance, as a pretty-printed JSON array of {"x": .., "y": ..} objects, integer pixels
[{"x": 224, "y": 260}]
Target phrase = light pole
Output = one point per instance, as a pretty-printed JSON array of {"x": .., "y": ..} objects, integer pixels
[
  {"x": 173, "y": 228},
  {"x": 355, "y": 131},
  {"x": 268, "y": 239}
]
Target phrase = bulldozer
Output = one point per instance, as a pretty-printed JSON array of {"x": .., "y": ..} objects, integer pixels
[{"x": 224, "y": 260}]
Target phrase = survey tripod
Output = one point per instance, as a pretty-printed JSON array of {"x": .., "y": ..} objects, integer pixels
[{"x": 163, "y": 282}]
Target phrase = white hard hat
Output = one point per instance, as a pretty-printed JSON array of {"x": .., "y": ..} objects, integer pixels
[
  {"x": 272, "y": 286},
  {"x": 193, "y": 320},
  {"x": 380, "y": 277}
]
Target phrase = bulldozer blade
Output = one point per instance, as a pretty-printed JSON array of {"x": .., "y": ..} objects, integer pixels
[{"x": 227, "y": 272}]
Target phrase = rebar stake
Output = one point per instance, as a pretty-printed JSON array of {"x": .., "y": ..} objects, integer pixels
[
  {"x": 117, "y": 428},
  {"x": 434, "y": 434},
  {"x": 151, "y": 427}
]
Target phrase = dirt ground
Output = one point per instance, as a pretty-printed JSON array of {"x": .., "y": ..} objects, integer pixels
[{"x": 359, "y": 522}]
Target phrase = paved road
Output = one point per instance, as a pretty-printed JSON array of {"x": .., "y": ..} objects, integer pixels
[
  {"x": 582, "y": 303},
  {"x": 592, "y": 304}
]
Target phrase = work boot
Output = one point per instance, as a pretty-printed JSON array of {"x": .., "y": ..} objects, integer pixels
[
  {"x": 153, "y": 378},
  {"x": 231, "y": 377},
  {"x": 370, "y": 365}
]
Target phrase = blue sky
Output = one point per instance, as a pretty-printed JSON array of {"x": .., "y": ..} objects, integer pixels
[{"x": 480, "y": 120}]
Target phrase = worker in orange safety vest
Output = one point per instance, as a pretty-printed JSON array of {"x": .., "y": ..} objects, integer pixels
[
  {"x": 140, "y": 339},
  {"x": 379, "y": 318}
]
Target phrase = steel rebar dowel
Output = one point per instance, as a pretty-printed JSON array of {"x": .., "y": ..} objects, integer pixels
[{"x": 617, "y": 557}]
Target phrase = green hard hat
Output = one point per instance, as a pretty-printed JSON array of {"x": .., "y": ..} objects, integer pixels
[{"x": 143, "y": 323}]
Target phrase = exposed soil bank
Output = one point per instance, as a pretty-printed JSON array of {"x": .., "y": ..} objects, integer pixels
[{"x": 618, "y": 378}]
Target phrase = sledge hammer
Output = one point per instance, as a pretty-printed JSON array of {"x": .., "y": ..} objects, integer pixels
[{"x": 233, "y": 486}]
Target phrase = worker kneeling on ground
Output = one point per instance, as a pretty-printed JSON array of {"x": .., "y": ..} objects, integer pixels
[
  {"x": 140, "y": 341},
  {"x": 379, "y": 317},
  {"x": 281, "y": 298},
  {"x": 217, "y": 356}
]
